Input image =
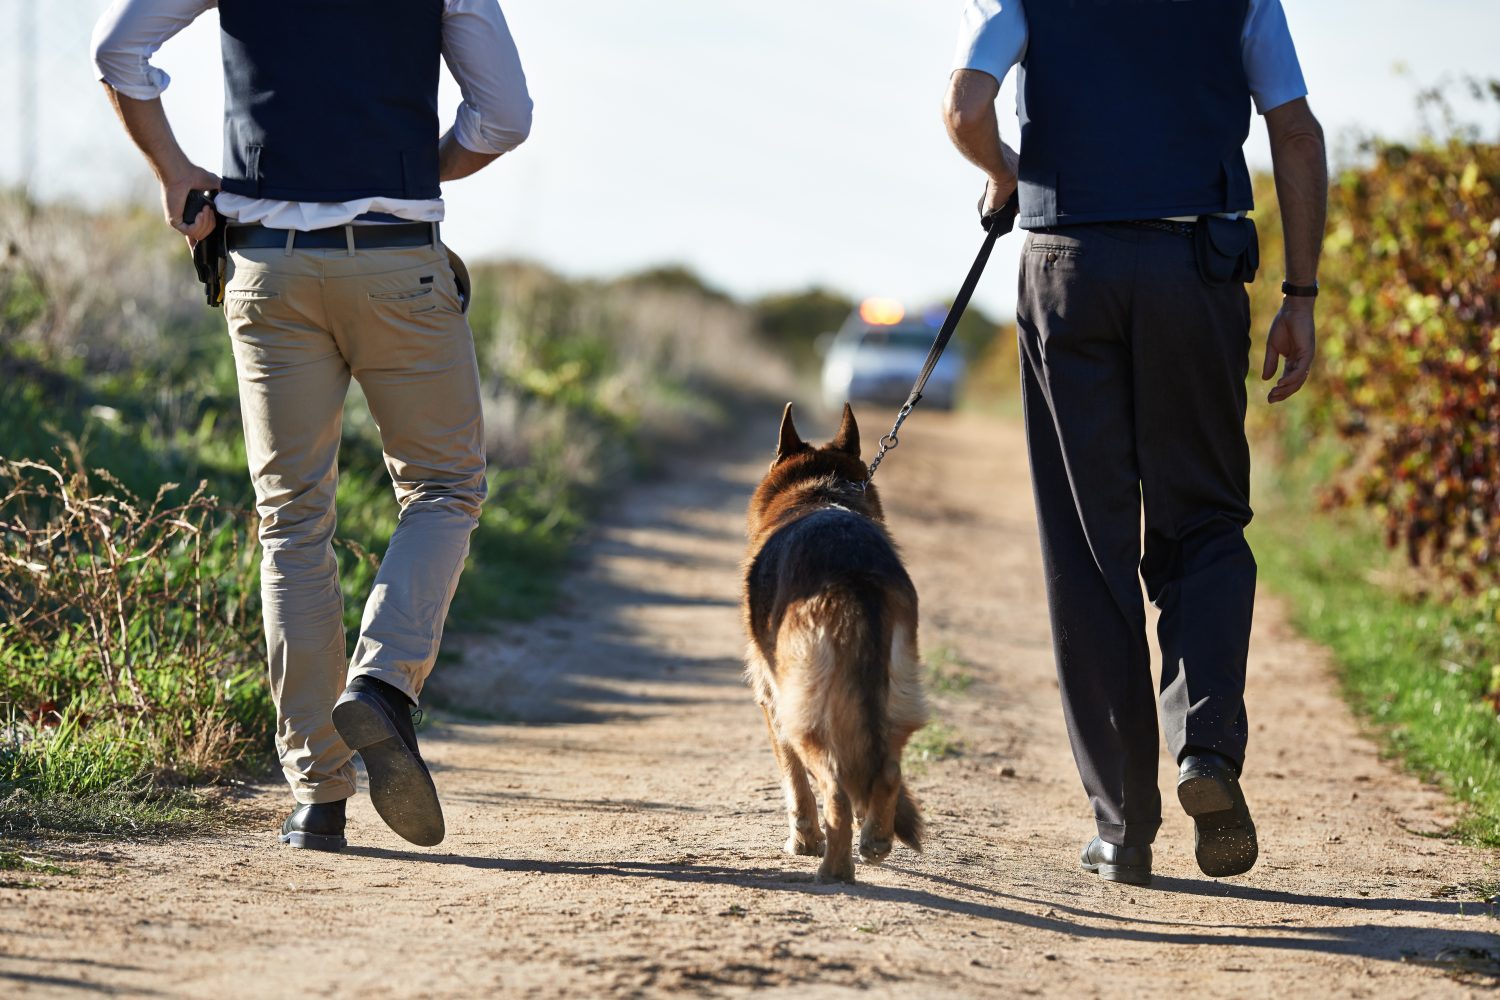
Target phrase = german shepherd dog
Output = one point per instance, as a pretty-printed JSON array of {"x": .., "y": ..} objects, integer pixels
[{"x": 832, "y": 618}]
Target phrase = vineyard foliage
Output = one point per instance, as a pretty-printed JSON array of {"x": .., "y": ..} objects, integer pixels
[{"x": 1409, "y": 348}]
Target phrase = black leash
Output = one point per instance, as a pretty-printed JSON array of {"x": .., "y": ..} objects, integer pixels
[{"x": 996, "y": 225}]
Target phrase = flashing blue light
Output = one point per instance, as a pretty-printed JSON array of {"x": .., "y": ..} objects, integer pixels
[{"x": 935, "y": 315}]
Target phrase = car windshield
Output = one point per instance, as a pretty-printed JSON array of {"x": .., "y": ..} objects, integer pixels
[{"x": 896, "y": 338}]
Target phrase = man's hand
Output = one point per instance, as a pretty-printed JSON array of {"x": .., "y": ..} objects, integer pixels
[
  {"x": 998, "y": 191},
  {"x": 1293, "y": 336},
  {"x": 174, "y": 192}
]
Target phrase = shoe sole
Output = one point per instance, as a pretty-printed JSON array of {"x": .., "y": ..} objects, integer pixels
[
  {"x": 1119, "y": 873},
  {"x": 314, "y": 842},
  {"x": 401, "y": 788},
  {"x": 1224, "y": 840}
]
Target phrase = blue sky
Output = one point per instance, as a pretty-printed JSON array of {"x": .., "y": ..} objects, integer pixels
[{"x": 769, "y": 144}]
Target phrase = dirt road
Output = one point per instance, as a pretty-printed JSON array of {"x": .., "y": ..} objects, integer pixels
[{"x": 624, "y": 839}]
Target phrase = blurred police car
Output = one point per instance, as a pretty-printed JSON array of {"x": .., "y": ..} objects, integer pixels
[{"x": 878, "y": 352}]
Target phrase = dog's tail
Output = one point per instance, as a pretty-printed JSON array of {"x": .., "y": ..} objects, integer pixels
[
  {"x": 869, "y": 676},
  {"x": 910, "y": 826},
  {"x": 835, "y": 649}
]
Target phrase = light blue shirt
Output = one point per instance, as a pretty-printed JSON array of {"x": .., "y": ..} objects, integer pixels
[{"x": 993, "y": 39}]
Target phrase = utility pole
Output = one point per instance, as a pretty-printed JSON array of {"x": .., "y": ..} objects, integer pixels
[{"x": 26, "y": 39}]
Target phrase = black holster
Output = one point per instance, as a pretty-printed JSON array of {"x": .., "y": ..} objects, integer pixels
[
  {"x": 209, "y": 255},
  {"x": 1227, "y": 250}
]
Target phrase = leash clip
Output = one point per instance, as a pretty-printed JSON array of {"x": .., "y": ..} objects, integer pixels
[{"x": 889, "y": 442}]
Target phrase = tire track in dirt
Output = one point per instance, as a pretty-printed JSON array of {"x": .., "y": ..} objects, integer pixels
[{"x": 624, "y": 839}]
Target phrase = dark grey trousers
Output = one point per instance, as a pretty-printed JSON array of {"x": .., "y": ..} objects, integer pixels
[{"x": 1133, "y": 374}]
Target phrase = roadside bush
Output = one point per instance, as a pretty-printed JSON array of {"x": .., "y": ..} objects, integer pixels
[{"x": 1409, "y": 349}]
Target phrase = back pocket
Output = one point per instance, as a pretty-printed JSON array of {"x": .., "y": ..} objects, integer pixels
[{"x": 414, "y": 300}]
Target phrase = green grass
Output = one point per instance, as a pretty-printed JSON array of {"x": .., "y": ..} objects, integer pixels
[
  {"x": 121, "y": 811},
  {"x": 99, "y": 779},
  {"x": 947, "y": 673},
  {"x": 934, "y": 742},
  {"x": 1416, "y": 669},
  {"x": 15, "y": 861}
]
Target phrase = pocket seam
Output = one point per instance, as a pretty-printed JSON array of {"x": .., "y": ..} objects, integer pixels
[
  {"x": 404, "y": 295},
  {"x": 1060, "y": 249}
]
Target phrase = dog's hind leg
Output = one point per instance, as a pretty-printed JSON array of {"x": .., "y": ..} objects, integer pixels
[
  {"x": 801, "y": 808},
  {"x": 838, "y": 815},
  {"x": 878, "y": 832}
]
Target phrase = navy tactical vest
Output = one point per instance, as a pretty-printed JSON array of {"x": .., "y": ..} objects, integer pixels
[
  {"x": 331, "y": 100},
  {"x": 1132, "y": 109}
]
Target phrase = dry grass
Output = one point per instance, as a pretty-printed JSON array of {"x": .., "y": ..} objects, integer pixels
[
  {"x": 104, "y": 289},
  {"x": 128, "y": 639}
]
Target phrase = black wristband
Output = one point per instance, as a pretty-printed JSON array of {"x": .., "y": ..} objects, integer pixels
[{"x": 1300, "y": 291}]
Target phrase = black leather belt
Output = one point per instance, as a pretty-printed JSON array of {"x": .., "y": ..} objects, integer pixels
[
  {"x": 1165, "y": 225},
  {"x": 373, "y": 237}
]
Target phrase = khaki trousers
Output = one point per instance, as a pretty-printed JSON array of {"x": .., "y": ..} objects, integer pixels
[{"x": 302, "y": 323}]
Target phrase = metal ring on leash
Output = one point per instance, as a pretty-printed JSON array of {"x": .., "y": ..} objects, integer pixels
[{"x": 888, "y": 442}]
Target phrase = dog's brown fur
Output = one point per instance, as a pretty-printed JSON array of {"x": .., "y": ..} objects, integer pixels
[{"x": 832, "y": 618}]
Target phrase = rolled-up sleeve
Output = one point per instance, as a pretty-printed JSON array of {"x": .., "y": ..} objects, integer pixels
[
  {"x": 991, "y": 37},
  {"x": 1270, "y": 58},
  {"x": 128, "y": 34},
  {"x": 495, "y": 116}
]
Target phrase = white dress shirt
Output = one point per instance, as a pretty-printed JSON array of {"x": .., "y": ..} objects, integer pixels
[
  {"x": 993, "y": 39},
  {"x": 495, "y": 116}
]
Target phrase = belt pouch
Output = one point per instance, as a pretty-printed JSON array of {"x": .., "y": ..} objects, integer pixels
[{"x": 1227, "y": 250}]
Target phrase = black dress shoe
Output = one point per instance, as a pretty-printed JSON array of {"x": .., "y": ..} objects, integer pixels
[
  {"x": 317, "y": 827},
  {"x": 1117, "y": 864},
  {"x": 374, "y": 719},
  {"x": 1208, "y": 786}
]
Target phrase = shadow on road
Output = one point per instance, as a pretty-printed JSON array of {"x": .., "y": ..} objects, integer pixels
[
  {"x": 598, "y": 657},
  {"x": 52, "y": 977},
  {"x": 1365, "y": 940}
]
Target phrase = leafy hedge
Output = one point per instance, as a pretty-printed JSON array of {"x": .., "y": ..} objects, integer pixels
[{"x": 1409, "y": 349}]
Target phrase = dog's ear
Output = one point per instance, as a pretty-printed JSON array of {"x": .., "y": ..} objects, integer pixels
[
  {"x": 790, "y": 442},
  {"x": 847, "y": 439}
]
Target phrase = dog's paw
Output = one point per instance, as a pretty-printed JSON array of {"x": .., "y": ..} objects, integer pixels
[
  {"x": 799, "y": 845},
  {"x": 836, "y": 871},
  {"x": 874, "y": 849}
]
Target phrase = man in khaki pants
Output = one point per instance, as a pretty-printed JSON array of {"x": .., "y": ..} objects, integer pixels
[{"x": 332, "y": 165}]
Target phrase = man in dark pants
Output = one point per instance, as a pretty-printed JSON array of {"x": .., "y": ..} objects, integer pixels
[{"x": 1135, "y": 333}]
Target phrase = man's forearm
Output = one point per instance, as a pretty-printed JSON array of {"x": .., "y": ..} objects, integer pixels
[
  {"x": 1300, "y": 161},
  {"x": 146, "y": 124},
  {"x": 969, "y": 112},
  {"x": 455, "y": 160}
]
